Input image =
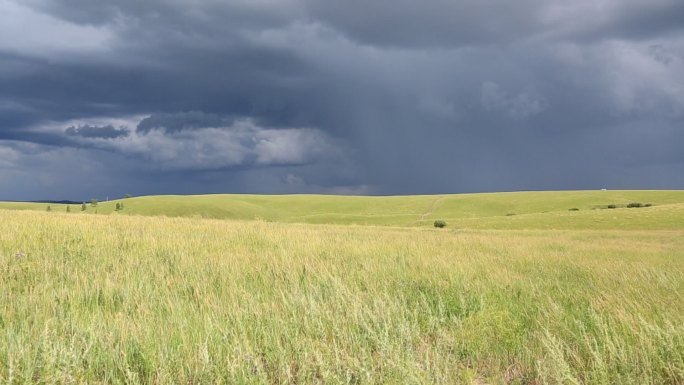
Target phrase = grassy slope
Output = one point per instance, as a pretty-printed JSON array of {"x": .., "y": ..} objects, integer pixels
[
  {"x": 131, "y": 299},
  {"x": 530, "y": 209}
]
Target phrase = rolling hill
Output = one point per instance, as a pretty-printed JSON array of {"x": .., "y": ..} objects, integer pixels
[{"x": 514, "y": 210}]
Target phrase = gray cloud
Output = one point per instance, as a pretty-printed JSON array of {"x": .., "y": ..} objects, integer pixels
[
  {"x": 104, "y": 132},
  {"x": 379, "y": 97},
  {"x": 445, "y": 23},
  {"x": 520, "y": 106},
  {"x": 180, "y": 121},
  {"x": 242, "y": 144},
  {"x": 200, "y": 142}
]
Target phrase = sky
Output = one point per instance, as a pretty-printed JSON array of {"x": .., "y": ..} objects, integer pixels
[{"x": 103, "y": 98}]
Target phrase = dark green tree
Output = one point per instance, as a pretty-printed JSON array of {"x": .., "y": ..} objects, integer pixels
[
  {"x": 83, "y": 207},
  {"x": 118, "y": 206}
]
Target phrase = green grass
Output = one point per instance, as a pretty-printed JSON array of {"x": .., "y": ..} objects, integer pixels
[
  {"x": 519, "y": 210},
  {"x": 121, "y": 299},
  {"x": 160, "y": 293}
]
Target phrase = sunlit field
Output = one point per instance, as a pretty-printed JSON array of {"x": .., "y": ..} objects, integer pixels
[
  {"x": 153, "y": 300},
  {"x": 514, "y": 210}
]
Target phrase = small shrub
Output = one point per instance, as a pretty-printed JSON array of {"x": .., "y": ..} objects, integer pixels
[
  {"x": 510, "y": 214},
  {"x": 93, "y": 202},
  {"x": 648, "y": 205},
  {"x": 635, "y": 204},
  {"x": 573, "y": 209},
  {"x": 611, "y": 206},
  {"x": 83, "y": 207},
  {"x": 49, "y": 208},
  {"x": 128, "y": 196},
  {"x": 68, "y": 209},
  {"x": 118, "y": 207},
  {"x": 440, "y": 223}
]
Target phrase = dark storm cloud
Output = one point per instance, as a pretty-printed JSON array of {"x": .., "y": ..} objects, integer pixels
[
  {"x": 174, "y": 13},
  {"x": 104, "y": 132},
  {"x": 632, "y": 19},
  {"x": 432, "y": 22},
  {"x": 346, "y": 96},
  {"x": 448, "y": 23},
  {"x": 181, "y": 121}
]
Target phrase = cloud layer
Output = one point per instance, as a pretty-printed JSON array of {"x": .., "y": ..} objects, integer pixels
[
  {"x": 339, "y": 96},
  {"x": 190, "y": 142}
]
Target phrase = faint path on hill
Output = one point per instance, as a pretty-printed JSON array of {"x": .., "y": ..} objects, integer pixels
[{"x": 432, "y": 208}]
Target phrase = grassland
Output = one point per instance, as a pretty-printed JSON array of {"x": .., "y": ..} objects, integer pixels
[
  {"x": 518, "y": 210},
  {"x": 545, "y": 296},
  {"x": 132, "y": 299}
]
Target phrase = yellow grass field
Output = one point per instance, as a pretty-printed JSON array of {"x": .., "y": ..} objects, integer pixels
[{"x": 119, "y": 299}]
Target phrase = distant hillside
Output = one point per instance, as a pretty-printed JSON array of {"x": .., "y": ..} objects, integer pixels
[{"x": 518, "y": 210}]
